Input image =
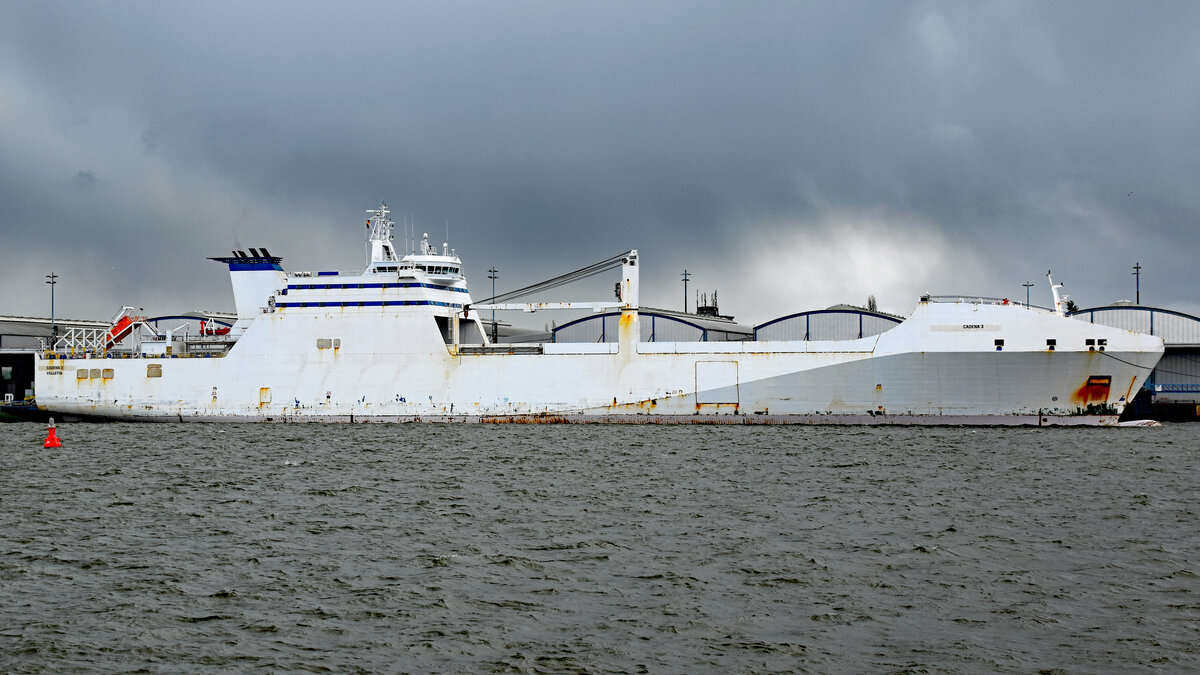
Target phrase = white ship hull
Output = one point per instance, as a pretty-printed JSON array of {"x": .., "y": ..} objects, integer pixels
[
  {"x": 928, "y": 370},
  {"x": 402, "y": 342}
]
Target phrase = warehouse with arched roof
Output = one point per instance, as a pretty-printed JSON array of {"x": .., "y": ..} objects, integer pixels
[{"x": 840, "y": 322}]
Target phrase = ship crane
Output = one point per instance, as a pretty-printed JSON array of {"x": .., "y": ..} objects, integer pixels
[{"x": 627, "y": 289}]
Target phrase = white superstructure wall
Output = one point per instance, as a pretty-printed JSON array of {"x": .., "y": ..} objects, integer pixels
[{"x": 252, "y": 289}]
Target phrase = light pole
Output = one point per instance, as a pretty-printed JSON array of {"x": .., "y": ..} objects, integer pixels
[
  {"x": 1027, "y": 286},
  {"x": 53, "y": 328},
  {"x": 1137, "y": 273},
  {"x": 685, "y": 280},
  {"x": 493, "y": 274}
]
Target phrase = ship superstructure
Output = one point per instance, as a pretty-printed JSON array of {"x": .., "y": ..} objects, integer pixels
[{"x": 402, "y": 340}]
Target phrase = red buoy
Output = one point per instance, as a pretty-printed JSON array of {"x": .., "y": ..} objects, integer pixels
[{"x": 52, "y": 438}]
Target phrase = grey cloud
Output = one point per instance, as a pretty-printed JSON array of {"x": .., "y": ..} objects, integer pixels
[
  {"x": 548, "y": 134},
  {"x": 84, "y": 180}
]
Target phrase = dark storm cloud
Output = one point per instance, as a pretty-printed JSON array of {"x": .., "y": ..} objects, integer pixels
[
  {"x": 84, "y": 180},
  {"x": 791, "y": 155}
]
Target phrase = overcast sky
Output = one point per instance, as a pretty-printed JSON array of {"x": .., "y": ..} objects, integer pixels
[{"x": 791, "y": 155}]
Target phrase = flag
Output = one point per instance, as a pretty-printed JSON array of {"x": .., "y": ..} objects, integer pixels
[{"x": 368, "y": 224}]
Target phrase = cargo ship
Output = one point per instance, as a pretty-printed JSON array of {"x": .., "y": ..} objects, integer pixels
[{"x": 402, "y": 340}]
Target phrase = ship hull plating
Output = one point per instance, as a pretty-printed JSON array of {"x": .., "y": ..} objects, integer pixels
[
  {"x": 402, "y": 341},
  {"x": 941, "y": 366}
]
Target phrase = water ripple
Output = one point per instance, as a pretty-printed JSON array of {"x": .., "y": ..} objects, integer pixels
[{"x": 431, "y": 548}]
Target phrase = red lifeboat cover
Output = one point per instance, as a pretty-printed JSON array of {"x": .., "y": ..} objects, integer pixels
[{"x": 118, "y": 332}]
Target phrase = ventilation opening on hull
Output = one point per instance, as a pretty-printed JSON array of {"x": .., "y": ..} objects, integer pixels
[{"x": 444, "y": 327}]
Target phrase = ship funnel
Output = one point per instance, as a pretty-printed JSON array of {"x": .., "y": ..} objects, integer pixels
[{"x": 255, "y": 280}]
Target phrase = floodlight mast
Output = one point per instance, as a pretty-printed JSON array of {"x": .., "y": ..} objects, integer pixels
[
  {"x": 53, "y": 327},
  {"x": 494, "y": 274}
]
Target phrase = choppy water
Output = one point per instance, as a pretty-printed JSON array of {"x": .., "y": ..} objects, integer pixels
[{"x": 430, "y": 548}]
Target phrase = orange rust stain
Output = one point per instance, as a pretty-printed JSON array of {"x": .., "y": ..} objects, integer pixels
[
  {"x": 1129, "y": 391},
  {"x": 648, "y": 404},
  {"x": 626, "y": 319},
  {"x": 535, "y": 418},
  {"x": 1094, "y": 390}
]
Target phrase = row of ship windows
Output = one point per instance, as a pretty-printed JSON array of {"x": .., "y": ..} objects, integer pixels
[
  {"x": 1051, "y": 343},
  {"x": 330, "y": 287},
  {"x": 428, "y": 269},
  {"x": 438, "y": 269},
  {"x": 370, "y": 303}
]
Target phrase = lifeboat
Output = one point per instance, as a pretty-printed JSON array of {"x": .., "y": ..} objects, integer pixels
[
  {"x": 214, "y": 329},
  {"x": 123, "y": 327}
]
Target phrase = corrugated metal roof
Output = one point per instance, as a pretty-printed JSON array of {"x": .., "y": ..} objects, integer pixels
[
  {"x": 1175, "y": 328},
  {"x": 28, "y": 326},
  {"x": 657, "y": 325}
]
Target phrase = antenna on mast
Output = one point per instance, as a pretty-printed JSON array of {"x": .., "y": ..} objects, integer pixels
[{"x": 1058, "y": 302}]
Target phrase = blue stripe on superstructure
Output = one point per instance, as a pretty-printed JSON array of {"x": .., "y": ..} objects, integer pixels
[
  {"x": 371, "y": 303},
  {"x": 329, "y": 287},
  {"x": 253, "y": 266}
]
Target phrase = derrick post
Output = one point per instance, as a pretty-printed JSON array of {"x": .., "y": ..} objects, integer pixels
[{"x": 629, "y": 331}]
